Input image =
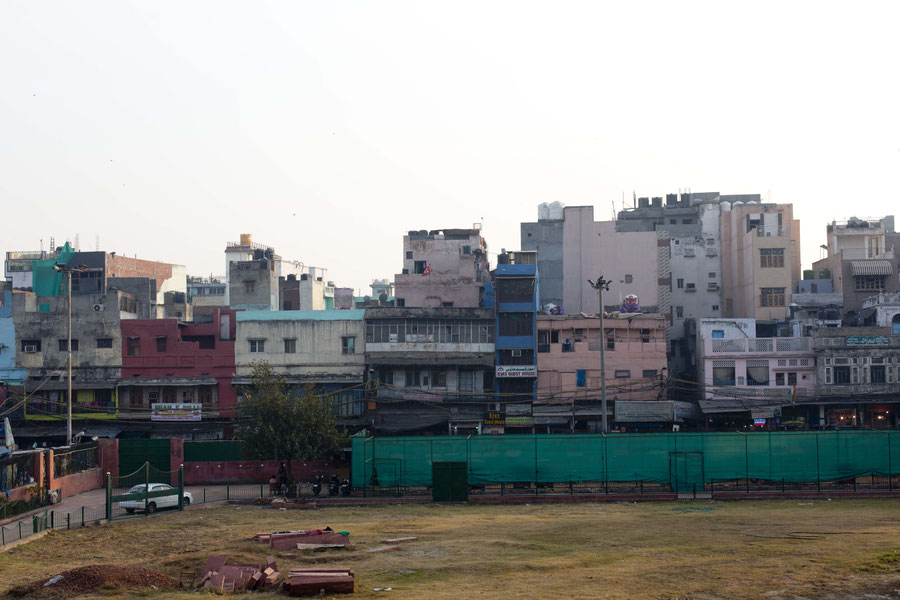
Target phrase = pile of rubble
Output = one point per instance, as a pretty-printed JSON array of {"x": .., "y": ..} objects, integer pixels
[
  {"x": 223, "y": 577},
  {"x": 83, "y": 580},
  {"x": 290, "y": 504},
  {"x": 304, "y": 539}
]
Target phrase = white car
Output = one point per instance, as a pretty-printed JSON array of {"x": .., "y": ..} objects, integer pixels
[{"x": 154, "y": 502}]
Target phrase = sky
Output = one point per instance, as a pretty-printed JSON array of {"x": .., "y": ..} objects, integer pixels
[{"x": 329, "y": 129}]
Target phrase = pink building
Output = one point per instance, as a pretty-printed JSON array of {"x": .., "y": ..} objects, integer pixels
[
  {"x": 569, "y": 364},
  {"x": 748, "y": 380}
]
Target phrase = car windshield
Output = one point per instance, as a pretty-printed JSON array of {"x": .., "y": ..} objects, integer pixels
[{"x": 137, "y": 489}]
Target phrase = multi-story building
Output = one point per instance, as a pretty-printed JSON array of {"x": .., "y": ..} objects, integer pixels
[
  {"x": 858, "y": 369},
  {"x": 516, "y": 285},
  {"x": 18, "y": 267},
  {"x": 41, "y": 348},
  {"x": 432, "y": 367},
  {"x": 882, "y": 310},
  {"x": 745, "y": 380},
  {"x": 861, "y": 261},
  {"x": 318, "y": 348},
  {"x": 569, "y": 373},
  {"x": 253, "y": 284},
  {"x": 207, "y": 292},
  {"x": 305, "y": 293},
  {"x": 814, "y": 304},
  {"x": 177, "y": 376},
  {"x": 760, "y": 245},
  {"x": 447, "y": 267},
  {"x": 572, "y": 248},
  {"x": 12, "y": 379}
]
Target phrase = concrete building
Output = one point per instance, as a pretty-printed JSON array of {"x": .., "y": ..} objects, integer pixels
[
  {"x": 12, "y": 379},
  {"x": 41, "y": 344},
  {"x": 447, "y": 267},
  {"x": 748, "y": 381},
  {"x": 516, "y": 282},
  {"x": 176, "y": 376},
  {"x": 247, "y": 250},
  {"x": 572, "y": 248},
  {"x": 321, "y": 348},
  {"x": 861, "y": 261},
  {"x": 305, "y": 293},
  {"x": 206, "y": 292},
  {"x": 253, "y": 284},
  {"x": 760, "y": 247},
  {"x": 858, "y": 369},
  {"x": 882, "y": 310},
  {"x": 568, "y": 362},
  {"x": 433, "y": 368},
  {"x": 18, "y": 266},
  {"x": 814, "y": 304}
]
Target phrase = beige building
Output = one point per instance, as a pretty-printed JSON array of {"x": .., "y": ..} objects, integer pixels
[{"x": 760, "y": 259}]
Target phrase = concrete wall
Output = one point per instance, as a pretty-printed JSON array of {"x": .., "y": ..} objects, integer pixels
[
  {"x": 546, "y": 237},
  {"x": 265, "y": 289},
  {"x": 168, "y": 277},
  {"x": 455, "y": 276},
  {"x": 258, "y": 471}
]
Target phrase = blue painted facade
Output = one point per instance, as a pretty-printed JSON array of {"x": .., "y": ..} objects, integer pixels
[
  {"x": 10, "y": 376},
  {"x": 517, "y": 300}
]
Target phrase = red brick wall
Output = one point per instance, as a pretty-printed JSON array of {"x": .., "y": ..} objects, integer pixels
[
  {"x": 109, "y": 456},
  {"x": 258, "y": 471},
  {"x": 123, "y": 266}
]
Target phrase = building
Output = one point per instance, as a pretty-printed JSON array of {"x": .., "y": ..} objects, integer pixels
[
  {"x": 516, "y": 284},
  {"x": 569, "y": 373},
  {"x": 319, "y": 348},
  {"x": 41, "y": 324},
  {"x": 573, "y": 248},
  {"x": 207, "y": 292},
  {"x": 177, "y": 376},
  {"x": 747, "y": 381},
  {"x": 861, "y": 261},
  {"x": 814, "y": 304},
  {"x": 253, "y": 284},
  {"x": 760, "y": 260},
  {"x": 305, "y": 293},
  {"x": 858, "y": 369},
  {"x": 19, "y": 264},
  {"x": 447, "y": 267},
  {"x": 12, "y": 379},
  {"x": 432, "y": 367},
  {"x": 882, "y": 310}
]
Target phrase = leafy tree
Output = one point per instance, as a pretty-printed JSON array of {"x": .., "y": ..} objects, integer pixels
[{"x": 276, "y": 424}]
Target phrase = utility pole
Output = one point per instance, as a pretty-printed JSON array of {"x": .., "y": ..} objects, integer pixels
[
  {"x": 68, "y": 272},
  {"x": 600, "y": 285}
]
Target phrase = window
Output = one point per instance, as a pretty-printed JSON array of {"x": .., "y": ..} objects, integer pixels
[
  {"x": 62, "y": 345},
  {"x": 134, "y": 346},
  {"x": 187, "y": 396},
  {"x": 673, "y": 221},
  {"x": 581, "y": 378},
  {"x": 257, "y": 346},
  {"x": 869, "y": 282},
  {"x": 715, "y": 307},
  {"x": 610, "y": 343},
  {"x": 679, "y": 312},
  {"x": 290, "y": 345},
  {"x": 877, "y": 374},
  {"x": 623, "y": 374},
  {"x": 680, "y": 283},
  {"x": 152, "y": 397},
  {"x": 895, "y": 325},
  {"x": 419, "y": 267},
  {"x": 771, "y": 258},
  {"x": 249, "y": 287},
  {"x": 409, "y": 254},
  {"x": 516, "y": 324},
  {"x": 710, "y": 242},
  {"x": 792, "y": 378},
  {"x": 723, "y": 372},
  {"x": 515, "y": 290},
  {"x": 647, "y": 373},
  {"x": 31, "y": 346},
  {"x": 687, "y": 221},
  {"x": 691, "y": 287},
  {"x": 348, "y": 344},
  {"x": 629, "y": 278},
  {"x": 170, "y": 395},
  {"x": 645, "y": 336},
  {"x": 757, "y": 372},
  {"x": 160, "y": 343},
  {"x": 206, "y": 395},
  {"x": 104, "y": 342},
  {"x": 412, "y": 378},
  {"x": 439, "y": 379},
  {"x": 385, "y": 375},
  {"x": 841, "y": 375},
  {"x": 771, "y": 297},
  {"x": 466, "y": 380},
  {"x": 712, "y": 275},
  {"x": 779, "y": 378}
]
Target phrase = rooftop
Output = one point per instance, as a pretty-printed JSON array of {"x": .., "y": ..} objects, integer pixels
[{"x": 301, "y": 315}]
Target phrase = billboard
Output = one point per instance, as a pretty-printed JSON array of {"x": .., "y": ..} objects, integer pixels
[{"x": 175, "y": 412}]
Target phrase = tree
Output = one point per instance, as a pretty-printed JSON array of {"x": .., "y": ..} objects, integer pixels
[{"x": 276, "y": 424}]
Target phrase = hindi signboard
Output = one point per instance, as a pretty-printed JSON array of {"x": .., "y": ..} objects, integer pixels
[{"x": 176, "y": 412}]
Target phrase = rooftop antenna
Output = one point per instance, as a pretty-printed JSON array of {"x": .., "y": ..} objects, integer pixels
[
  {"x": 77, "y": 243},
  {"x": 97, "y": 242},
  {"x": 613, "y": 210},
  {"x": 52, "y": 244}
]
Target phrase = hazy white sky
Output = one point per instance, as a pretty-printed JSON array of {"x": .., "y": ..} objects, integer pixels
[{"x": 328, "y": 129}]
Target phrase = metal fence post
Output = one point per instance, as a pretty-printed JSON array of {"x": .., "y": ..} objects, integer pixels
[
  {"x": 147, "y": 489},
  {"x": 20, "y": 530},
  {"x": 108, "y": 500},
  {"x": 69, "y": 520},
  {"x": 2, "y": 536},
  {"x": 227, "y": 492},
  {"x": 51, "y": 519},
  {"x": 181, "y": 487},
  {"x": 260, "y": 491},
  {"x": 82, "y": 515},
  {"x": 204, "y": 495}
]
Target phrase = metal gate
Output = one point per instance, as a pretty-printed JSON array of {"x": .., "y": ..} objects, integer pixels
[
  {"x": 133, "y": 453},
  {"x": 686, "y": 471},
  {"x": 449, "y": 482}
]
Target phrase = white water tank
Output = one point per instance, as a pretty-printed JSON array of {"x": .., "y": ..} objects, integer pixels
[
  {"x": 557, "y": 211},
  {"x": 725, "y": 206},
  {"x": 543, "y": 211}
]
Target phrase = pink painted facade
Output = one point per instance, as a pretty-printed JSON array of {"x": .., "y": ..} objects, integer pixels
[
  {"x": 569, "y": 357},
  {"x": 167, "y": 361},
  {"x": 763, "y": 367}
]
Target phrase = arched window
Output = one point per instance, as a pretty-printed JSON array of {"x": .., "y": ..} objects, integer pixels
[{"x": 895, "y": 325}]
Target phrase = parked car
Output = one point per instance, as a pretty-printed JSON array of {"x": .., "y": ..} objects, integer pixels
[{"x": 156, "y": 502}]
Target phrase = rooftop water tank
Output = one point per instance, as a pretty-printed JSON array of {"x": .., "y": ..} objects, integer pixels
[
  {"x": 725, "y": 206},
  {"x": 557, "y": 211},
  {"x": 543, "y": 211}
]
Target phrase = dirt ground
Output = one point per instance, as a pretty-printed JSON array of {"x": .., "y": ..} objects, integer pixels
[{"x": 770, "y": 550}]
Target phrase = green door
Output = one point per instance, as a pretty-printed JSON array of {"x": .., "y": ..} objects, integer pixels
[
  {"x": 133, "y": 453},
  {"x": 686, "y": 471},
  {"x": 449, "y": 482}
]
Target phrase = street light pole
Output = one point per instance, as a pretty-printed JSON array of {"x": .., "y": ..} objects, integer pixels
[
  {"x": 600, "y": 285},
  {"x": 69, "y": 361}
]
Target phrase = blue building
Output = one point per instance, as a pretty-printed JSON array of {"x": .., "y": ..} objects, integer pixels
[
  {"x": 517, "y": 303},
  {"x": 11, "y": 378}
]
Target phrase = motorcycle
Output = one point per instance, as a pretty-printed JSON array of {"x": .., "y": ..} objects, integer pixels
[
  {"x": 345, "y": 487},
  {"x": 317, "y": 485},
  {"x": 334, "y": 486}
]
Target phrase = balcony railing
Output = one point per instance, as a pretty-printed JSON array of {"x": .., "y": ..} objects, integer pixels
[{"x": 758, "y": 345}]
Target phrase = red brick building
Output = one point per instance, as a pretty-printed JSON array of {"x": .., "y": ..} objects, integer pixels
[{"x": 178, "y": 375}]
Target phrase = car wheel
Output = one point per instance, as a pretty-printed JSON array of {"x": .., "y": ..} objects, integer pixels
[
  {"x": 130, "y": 511},
  {"x": 151, "y": 507},
  {"x": 187, "y": 502}
]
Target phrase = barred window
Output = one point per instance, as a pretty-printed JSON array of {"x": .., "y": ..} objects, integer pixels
[
  {"x": 771, "y": 297},
  {"x": 771, "y": 258}
]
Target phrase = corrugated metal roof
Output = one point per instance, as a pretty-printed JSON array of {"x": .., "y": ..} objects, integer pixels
[
  {"x": 301, "y": 315},
  {"x": 871, "y": 267}
]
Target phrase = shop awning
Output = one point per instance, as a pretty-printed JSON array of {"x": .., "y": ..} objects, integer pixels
[
  {"x": 871, "y": 267},
  {"x": 737, "y": 405}
]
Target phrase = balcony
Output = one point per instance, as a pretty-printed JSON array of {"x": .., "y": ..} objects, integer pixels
[{"x": 800, "y": 345}]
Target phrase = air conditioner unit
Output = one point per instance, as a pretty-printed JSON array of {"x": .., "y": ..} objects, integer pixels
[
  {"x": 29, "y": 348},
  {"x": 98, "y": 307},
  {"x": 712, "y": 287},
  {"x": 516, "y": 352}
]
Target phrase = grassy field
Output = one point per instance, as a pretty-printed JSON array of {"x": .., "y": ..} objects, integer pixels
[{"x": 775, "y": 549}]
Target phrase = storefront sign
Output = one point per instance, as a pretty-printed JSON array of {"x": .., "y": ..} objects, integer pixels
[
  {"x": 176, "y": 412},
  {"x": 517, "y": 371},
  {"x": 522, "y": 410},
  {"x": 645, "y": 412},
  {"x": 868, "y": 340},
  {"x": 765, "y": 413},
  {"x": 494, "y": 419},
  {"x": 519, "y": 421}
]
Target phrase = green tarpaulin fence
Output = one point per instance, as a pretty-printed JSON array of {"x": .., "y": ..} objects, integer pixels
[{"x": 802, "y": 456}]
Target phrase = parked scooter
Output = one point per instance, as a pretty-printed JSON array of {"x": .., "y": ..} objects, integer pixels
[
  {"x": 345, "y": 487},
  {"x": 334, "y": 486},
  {"x": 317, "y": 485}
]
